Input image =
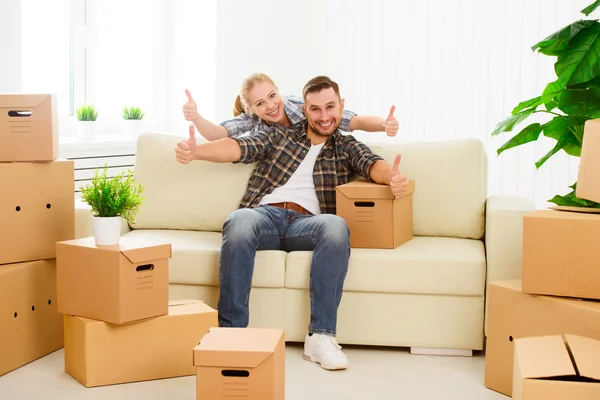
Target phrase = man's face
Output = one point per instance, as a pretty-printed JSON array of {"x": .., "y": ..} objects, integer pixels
[{"x": 323, "y": 111}]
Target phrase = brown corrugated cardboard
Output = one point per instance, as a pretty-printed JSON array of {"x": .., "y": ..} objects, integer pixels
[
  {"x": 513, "y": 314},
  {"x": 375, "y": 218},
  {"x": 37, "y": 209},
  {"x": 588, "y": 176},
  {"x": 30, "y": 326},
  {"x": 247, "y": 362},
  {"x": 118, "y": 284},
  {"x": 98, "y": 353},
  {"x": 561, "y": 255},
  {"x": 28, "y": 127},
  {"x": 556, "y": 367}
]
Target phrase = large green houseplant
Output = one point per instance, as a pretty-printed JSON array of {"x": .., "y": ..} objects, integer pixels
[
  {"x": 571, "y": 100},
  {"x": 111, "y": 200}
]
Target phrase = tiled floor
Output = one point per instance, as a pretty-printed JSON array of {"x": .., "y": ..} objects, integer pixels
[{"x": 373, "y": 374}]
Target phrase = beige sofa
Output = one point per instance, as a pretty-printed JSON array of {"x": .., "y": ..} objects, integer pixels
[{"x": 427, "y": 293}]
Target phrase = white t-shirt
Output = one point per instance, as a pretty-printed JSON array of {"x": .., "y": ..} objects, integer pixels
[{"x": 300, "y": 188}]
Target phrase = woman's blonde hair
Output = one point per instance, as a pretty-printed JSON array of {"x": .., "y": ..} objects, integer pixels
[{"x": 242, "y": 102}]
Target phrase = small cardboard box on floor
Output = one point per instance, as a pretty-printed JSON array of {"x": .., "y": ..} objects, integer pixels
[
  {"x": 28, "y": 127},
  {"x": 375, "y": 218},
  {"x": 588, "y": 176},
  {"x": 119, "y": 284},
  {"x": 37, "y": 209},
  {"x": 98, "y": 353},
  {"x": 241, "y": 362},
  {"x": 556, "y": 367},
  {"x": 561, "y": 254},
  {"x": 513, "y": 314},
  {"x": 30, "y": 326}
]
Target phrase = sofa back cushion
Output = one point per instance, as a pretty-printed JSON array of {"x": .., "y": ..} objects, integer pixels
[{"x": 449, "y": 198}]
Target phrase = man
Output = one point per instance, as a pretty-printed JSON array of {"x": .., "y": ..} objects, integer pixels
[{"x": 290, "y": 205}]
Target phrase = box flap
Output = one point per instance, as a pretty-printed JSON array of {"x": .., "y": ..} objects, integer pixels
[
  {"x": 543, "y": 357},
  {"x": 586, "y": 353},
  {"x": 236, "y": 347},
  {"x": 362, "y": 189},
  {"x": 149, "y": 253},
  {"x": 17, "y": 101},
  {"x": 191, "y": 307}
]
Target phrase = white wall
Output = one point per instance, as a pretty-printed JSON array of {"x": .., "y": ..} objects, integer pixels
[
  {"x": 10, "y": 46},
  {"x": 453, "y": 68}
]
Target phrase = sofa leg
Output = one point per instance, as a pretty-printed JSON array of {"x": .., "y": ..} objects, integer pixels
[{"x": 441, "y": 352}]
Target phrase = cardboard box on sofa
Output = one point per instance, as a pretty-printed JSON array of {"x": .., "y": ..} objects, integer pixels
[
  {"x": 30, "y": 326},
  {"x": 561, "y": 254},
  {"x": 28, "y": 127},
  {"x": 375, "y": 218},
  {"x": 37, "y": 209},
  {"x": 119, "y": 284},
  {"x": 556, "y": 367},
  {"x": 98, "y": 353},
  {"x": 588, "y": 176},
  {"x": 513, "y": 314},
  {"x": 245, "y": 362}
]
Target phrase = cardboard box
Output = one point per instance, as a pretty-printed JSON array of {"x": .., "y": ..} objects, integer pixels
[
  {"x": 28, "y": 127},
  {"x": 98, "y": 353},
  {"x": 118, "y": 284},
  {"x": 513, "y": 314},
  {"x": 30, "y": 326},
  {"x": 37, "y": 209},
  {"x": 556, "y": 368},
  {"x": 588, "y": 176},
  {"x": 244, "y": 362},
  {"x": 561, "y": 254},
  {"x": 375, "y": 218}
]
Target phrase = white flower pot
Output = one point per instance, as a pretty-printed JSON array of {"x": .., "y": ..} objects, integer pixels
[
  {"x": 132, "y": 128},
  {"x": 86, "y": 130},
  {"x": 107, "y": 230}
]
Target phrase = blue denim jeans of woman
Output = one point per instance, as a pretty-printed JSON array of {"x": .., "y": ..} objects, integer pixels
[{"x": 272, "y": 228}]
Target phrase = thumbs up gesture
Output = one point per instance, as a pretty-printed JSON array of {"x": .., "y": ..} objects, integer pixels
[
  {"x": 185, "y": 152},
  {"x": 190, "y": 111},
  {"x": 398, "y": 181},
  {"x": 390, "y": 125}
]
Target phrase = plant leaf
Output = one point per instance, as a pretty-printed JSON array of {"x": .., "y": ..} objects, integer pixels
[
  {"x": 528, "y": 134},
  {"x": 567, "y": 138},
  {"x": 531, "y": 103},
  {"x": 559, "y": 40},
  {"x": 509, "y": 123},
  {"x": 589, "y": 9},
  {"x": 580, "y": 61},
  {"x": 584, "y": 102},
  {"x": 551, "y": 91},
  {"x": 572, "y": 200}
]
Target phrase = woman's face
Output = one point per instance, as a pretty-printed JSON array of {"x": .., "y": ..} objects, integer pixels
[{"x": 266, "y": 103}]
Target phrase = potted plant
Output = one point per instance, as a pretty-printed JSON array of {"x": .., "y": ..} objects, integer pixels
[
  {"x": 568, "y": 102},
  {"x": 111, "y": 200},
  {"x": 86, "y": 125},
  {"x": 132, "y": 121}
]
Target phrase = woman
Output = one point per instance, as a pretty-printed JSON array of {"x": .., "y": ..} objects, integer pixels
[{"x": 260, "y": 105}]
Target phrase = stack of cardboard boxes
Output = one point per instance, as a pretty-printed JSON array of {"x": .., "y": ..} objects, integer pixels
[
  {"x": 36, "y": 211},
  {"x": 547, "y": 324}
]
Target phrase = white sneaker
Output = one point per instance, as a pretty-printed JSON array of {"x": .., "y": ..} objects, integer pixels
[{"x": 325, "y": 350}]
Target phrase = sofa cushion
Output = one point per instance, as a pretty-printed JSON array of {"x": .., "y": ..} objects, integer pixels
[
  {"x": 424, "y": 265},
  {"x": 196, "y": 196},
  {"x": 450, "y": 185},
  {"x": 195, "y": 259}
]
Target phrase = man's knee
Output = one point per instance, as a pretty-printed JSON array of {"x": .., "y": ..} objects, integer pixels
[
  {"x": 334, "y": 228},
  {"x": 241, "y": 224}
]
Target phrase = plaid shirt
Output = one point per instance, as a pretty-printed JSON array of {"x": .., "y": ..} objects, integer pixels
[
  {"x": 280, "y": 153},
  {"x": 292, "y": 105}
]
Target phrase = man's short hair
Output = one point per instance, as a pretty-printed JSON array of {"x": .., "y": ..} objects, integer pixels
[{"x": 319, "y": 83}]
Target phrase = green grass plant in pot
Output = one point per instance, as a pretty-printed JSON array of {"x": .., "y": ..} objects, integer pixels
[
  {"x": 112, "y": 200},
  {"x": 567, "y": 102},
  {"x": 132, "y": 121},
  {"x": 86, "y": 125}
]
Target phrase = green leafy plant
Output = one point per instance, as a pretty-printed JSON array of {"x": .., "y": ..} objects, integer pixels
[
  {"x": 113, "y": 197},
  {"x": 572, "y": 99},
  {"x": 133, "y": 113},
  {"x": 87, "y": 113}
]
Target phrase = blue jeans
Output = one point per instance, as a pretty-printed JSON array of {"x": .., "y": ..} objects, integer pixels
[{"x": 272, "y": 228}]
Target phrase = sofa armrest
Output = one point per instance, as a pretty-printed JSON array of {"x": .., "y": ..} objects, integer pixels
[
  {"x": 83, "y": 221},
  {"x": 504, "y": 236}
]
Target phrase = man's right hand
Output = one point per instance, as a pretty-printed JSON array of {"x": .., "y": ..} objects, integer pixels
[
  {"x": 190, "y": 111},
  {"x": 185, "y": 152}
]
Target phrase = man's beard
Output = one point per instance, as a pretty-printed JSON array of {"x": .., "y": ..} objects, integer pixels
[{"x": 317, "y": 132}]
